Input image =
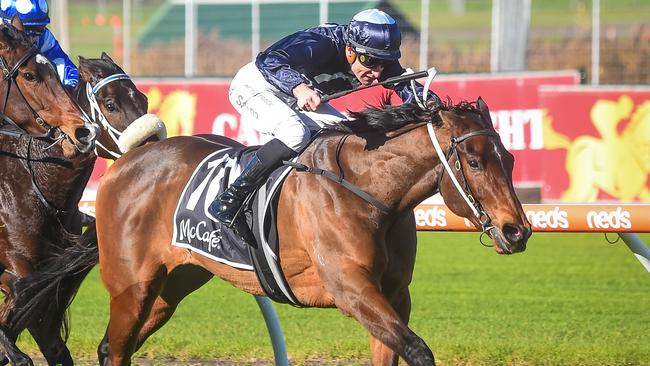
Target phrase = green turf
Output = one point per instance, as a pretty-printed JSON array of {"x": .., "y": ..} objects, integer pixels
[{"x": 570, "y": 299}]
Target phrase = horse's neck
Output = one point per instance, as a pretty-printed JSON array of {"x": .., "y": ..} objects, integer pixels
[
  {"x": 400, "y": 172},
  {"x": 16, "y": 110},
  {"x": 79, "y": 93},
  {"x": 61, "y": 180}
]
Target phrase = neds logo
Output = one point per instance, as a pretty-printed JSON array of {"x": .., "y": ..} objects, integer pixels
[
  {"x": 619, "y": 219},
  {"x": 552, "y": 219},
  {"x": 434, "y": 217}
]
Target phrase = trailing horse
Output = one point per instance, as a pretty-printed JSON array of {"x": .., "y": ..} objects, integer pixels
[
  {"x": 44, "y": 176},
  {"x": 346, "y": 234}
]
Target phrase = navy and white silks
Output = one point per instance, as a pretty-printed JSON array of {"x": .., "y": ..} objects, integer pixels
[{"x": 262, "y": 91}]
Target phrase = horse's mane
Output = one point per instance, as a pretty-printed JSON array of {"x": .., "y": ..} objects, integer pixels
[
  {"x": 14, "y": 34},
  {"x": 389, "y": 117}
]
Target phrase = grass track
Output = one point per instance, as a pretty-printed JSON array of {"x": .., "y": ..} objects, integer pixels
[{"x": 568, "y": 300}]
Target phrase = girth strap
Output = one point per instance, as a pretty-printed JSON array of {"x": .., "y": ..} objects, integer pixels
[{"x": 340, "y": 180}]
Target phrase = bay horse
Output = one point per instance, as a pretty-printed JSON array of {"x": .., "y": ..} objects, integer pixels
[
  {"x": 35, "y": 110},
  {"x": 40, "y": 196},
  {"x": 335, "y": 249}
]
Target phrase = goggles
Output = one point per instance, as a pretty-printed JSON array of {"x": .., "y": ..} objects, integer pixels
[
  {"x": 34, "y": 31},
  {"x": 371, "y": 62}
]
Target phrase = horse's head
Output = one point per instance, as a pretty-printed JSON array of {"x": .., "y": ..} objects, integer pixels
[
  {"x": 482, "y": 169},
  {"x": 113, "y": 101},
  {"x": 33, "y": 98}
]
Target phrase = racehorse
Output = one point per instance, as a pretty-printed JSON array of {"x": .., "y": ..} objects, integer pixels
[
  {"x": 41, "y": 193},
  {"x": 335, "y": 249},
  {"x": 36, "y": 110}
]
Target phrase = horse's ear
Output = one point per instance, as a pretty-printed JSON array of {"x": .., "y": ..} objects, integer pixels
[
  {"x": 85, "y": 70},
  {"x": 483, "y": 108},
  {"x": 106, "y": 57},
  {"x": 17, "y": 23}
]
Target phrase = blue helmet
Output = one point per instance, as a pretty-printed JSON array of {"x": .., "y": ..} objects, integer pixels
[
  {"x": 31, "y": 12},
  {"x": 376, "y": 34}
]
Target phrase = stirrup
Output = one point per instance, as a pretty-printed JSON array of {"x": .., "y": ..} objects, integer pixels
[
  {"x": 241, "y": 209},
  {"x": 240, "y": 228}
]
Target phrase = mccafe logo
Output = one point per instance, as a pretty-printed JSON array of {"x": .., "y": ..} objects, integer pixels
[
  {"x": 554, "y": 219},
  {"x": 618, "y": 219}
]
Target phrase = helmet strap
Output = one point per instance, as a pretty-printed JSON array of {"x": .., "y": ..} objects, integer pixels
[{"x": 350, "y": 55}]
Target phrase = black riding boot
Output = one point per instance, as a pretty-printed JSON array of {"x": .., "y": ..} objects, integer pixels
[{"x": 225, "y": 206}]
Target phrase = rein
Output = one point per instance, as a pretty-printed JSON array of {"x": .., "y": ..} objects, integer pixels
[
  {"x": 10, "y": 77},
  {"x": 49, "y": 207},
  {"x": 342, "y": 181},
  {"x": 465, "y": 191}
]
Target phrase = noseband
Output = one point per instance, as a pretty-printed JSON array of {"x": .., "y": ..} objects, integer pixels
[
  {"x": 96, "y": 114},
  {"x": 464, "y": 188},
  {"x": 9, "y": 75}
]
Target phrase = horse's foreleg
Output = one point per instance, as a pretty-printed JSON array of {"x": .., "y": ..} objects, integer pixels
[
  {"x": 361, "y": 298},
  {"x": 181, "y": 282},
  {"x": 48, "y": 337},
  {"x": 8, "y": 338},
  {"x": 382, "y": 354},
  {"x": 11, "y": 352},
  {"x": 128, "y": 311}
]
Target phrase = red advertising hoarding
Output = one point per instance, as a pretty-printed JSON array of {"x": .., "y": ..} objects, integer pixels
[
  {"x": 597, "y": 144},
  {"x": 201, "y": 106}
]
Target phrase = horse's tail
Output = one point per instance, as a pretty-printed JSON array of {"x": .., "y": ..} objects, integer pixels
[{"x": 48, "y": 292}]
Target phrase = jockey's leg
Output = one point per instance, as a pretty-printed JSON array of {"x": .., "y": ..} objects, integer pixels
[{"x": 227, "y": 204}]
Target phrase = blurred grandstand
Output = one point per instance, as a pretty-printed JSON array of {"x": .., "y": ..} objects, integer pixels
[{"x": 149, "y": 36}]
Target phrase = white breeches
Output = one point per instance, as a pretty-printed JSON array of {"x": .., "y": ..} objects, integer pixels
[{"x": 273, "y": 112}]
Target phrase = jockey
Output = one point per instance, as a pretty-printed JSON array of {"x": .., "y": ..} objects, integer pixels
[
  {"x": 280, "y": 93},
  {"x": 35, "y": 17}
]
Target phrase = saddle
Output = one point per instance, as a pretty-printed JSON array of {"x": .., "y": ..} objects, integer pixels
[{"x": 196, "y": 230}]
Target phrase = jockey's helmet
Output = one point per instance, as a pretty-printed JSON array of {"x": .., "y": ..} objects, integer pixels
[
  {"x": 374, "y": 33},
  {"x": 32, "y": 13}
]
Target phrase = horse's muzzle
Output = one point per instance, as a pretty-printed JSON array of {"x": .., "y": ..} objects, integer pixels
[
  {"x": 512, "y": 238},
  {"x": 86, "y": 137}
]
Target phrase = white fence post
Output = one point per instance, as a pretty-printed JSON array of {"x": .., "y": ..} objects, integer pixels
[{"x": 640, "y": 250}]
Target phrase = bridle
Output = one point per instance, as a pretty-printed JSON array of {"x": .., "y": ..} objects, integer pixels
[
  {"x": 51, "y": 134},
  {"x": 462, "y": 188},
  {"x": 96, "y": 114},
  {"x": 9, "y": 75}
]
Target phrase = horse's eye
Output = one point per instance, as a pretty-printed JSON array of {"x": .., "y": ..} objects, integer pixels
[
  {"x": 111, "y": 107},
  {"x": 474, "y": 164},
  {"x": 29, "y": 76}
]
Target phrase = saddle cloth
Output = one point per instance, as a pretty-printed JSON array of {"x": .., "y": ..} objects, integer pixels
[{"x": 196, "y": 230}]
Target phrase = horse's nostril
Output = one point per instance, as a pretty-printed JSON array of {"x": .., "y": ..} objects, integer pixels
[
  {"x": 513, "y": 233},
  {"x": 83, "y": 135}
]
